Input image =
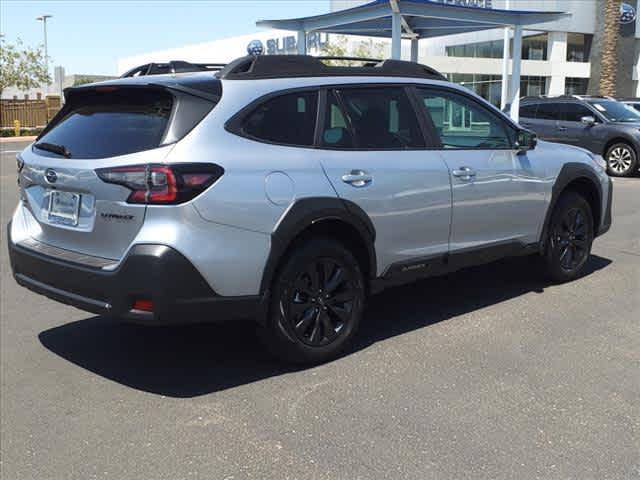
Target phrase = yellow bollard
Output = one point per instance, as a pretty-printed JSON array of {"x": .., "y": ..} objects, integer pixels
[{"x": 16, "y": 127}]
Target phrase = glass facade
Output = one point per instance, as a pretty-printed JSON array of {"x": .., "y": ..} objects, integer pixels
[
  {"x": 576, "y": 86},
  {"x": 534, "y": 47},
  {"x": 489, "y": 87},
  {"x": 578, "y": 47}
]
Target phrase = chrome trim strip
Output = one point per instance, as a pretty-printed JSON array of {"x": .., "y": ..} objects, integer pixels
[{"x": 67, "y": 255}]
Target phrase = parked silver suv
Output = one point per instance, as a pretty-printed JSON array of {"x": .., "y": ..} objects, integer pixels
[{"x": 287, "y": 190}]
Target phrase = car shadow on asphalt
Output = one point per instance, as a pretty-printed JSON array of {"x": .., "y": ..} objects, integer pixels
[{"x": 195, "y": 360}]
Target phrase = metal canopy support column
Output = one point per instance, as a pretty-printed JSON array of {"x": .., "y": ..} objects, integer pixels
[
  {"x": 506, "y": 53},
  {"x": 514, "y": 93},
  {"x": 302, "y": 42},
  {"x": 396, "y": 35},
  {"x": 414, "y": 49}
]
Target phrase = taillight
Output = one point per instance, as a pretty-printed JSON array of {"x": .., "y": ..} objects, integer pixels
[{"x": 163, "y": 184}]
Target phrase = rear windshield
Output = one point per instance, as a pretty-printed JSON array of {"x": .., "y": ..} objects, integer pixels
[{"x": 110, "y": 123}]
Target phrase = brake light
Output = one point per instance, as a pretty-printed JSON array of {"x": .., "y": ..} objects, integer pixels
[{"x": 163, "y": 184}]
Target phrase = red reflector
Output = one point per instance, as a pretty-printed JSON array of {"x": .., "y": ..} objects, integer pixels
[{"x": 143, "y": 304}]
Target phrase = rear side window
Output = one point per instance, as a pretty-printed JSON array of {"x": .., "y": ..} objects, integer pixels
[
  {"x": 549, "y": 111},
  {"x": 382, "y": 118},
  {"x": 111, "y": 123},
  {"x": 287, "y": 119},
  {"x": 528, "y": 111}
]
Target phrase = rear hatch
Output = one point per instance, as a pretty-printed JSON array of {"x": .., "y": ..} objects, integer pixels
[{"x": 66, "y": 204}]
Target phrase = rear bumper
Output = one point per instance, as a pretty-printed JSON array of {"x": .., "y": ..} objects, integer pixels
[{"x": 149, "y": 271}]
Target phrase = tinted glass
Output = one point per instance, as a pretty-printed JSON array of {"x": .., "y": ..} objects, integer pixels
[
  {"x": 616, "y": 111},
  {"x": 288, "y": 119},
  {"x": 99, "y": 125},
  {"x": 573, "y": 112},
  {"x": 463, "y": 123},
  {"x": 382, "y": 118},
  {"x": 336, "y": 131},
  {"x": 549, "y": 111},
  {"x": 528, "y": 111}
]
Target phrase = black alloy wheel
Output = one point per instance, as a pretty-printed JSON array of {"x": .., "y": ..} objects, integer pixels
[
  {"x": 317, "y": 301},
  {"x": 571, "y": 234}
]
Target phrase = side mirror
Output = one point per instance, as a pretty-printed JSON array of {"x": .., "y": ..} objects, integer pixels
[
  {"x": 526, "y": 140},
  {"x": 588, "y": 120}
]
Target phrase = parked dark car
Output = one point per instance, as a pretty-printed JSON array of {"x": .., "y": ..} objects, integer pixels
[{"x": 600, "y": 124}]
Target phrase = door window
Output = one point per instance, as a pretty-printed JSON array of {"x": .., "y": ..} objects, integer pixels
[
  {"x": 548, "y": 111},
  {"x": 381, "y": 118},
  {"x": 462, "y": 123},
  {"x": 288, "y": 119},
  {"x": 573, "y": 112},
  {"x": 528, "y": 111},
  {"x": 336, "y": 132}
]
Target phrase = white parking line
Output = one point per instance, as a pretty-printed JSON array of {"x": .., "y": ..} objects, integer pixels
[{"x": 10, "y": 151}]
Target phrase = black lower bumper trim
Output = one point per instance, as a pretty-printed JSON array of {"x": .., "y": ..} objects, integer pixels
[
  {"x": 606, "y": 223},
  {"x": 156, "y": 272}
]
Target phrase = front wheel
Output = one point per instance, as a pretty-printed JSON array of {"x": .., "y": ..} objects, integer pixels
[
  {"x": 317, "y": 301},
  {"x": 621, "y": 160},
  {"x": 571, "y": 233}
]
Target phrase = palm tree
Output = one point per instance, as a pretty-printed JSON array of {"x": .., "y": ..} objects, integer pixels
[{"x": 610, "y": 34}]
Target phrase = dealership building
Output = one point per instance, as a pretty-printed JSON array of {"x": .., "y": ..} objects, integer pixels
[{"x": 558, "y": 57}]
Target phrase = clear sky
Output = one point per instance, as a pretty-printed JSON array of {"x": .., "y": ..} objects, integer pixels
[{"x": 88, "y": 36}]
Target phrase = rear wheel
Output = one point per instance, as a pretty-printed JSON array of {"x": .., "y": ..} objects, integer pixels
[
  {"x": 621, "y": 160},
  {"x": 317, "y": 301},
  {"x": 571, "y": 234}
]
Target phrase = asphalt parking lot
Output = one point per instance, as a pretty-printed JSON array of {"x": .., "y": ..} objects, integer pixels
[{"x": 487, "y": 373}]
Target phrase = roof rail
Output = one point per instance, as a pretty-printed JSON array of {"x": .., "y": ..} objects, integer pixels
[
  {"x": 174, "y": 66},
  {"x": 279, "y": 66}
]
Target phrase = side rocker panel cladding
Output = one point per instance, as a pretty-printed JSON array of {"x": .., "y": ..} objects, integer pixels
[{"x": 306, "y": 212}]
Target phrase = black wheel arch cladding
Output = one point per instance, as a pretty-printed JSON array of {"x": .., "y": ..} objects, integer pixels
[
  {"x": 569, "y": 173},
  {"x": 306, "y": 212}
]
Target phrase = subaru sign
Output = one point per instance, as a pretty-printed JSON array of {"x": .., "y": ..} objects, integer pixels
[
  {"x": 627, "y": 13},
  {"x": 255, "y": 47}
]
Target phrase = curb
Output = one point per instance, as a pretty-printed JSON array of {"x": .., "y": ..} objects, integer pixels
[{"x": 17, "y": 139}]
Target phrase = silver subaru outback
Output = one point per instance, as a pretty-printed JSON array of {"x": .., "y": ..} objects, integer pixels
[{"x": 286, "y": 190}]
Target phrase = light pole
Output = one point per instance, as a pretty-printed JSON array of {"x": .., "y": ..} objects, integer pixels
[{"x": 43, "y": 19}]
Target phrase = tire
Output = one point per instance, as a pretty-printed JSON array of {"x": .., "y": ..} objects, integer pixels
[
  {"x": 571, "y": 233},
  {"x": 621, "y": 159},
  {"x": 317, "y": 301}
]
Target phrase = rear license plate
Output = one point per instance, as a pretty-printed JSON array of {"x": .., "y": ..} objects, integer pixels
[{"x": 64, "y": 207}]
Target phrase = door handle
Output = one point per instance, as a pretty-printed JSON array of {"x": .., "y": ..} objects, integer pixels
[
  {"x": 562, "y": 129},
  {"x": 357, "y": 178},
  {"x": 464, "y": 173}
]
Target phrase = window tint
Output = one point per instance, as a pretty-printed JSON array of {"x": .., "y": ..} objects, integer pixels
[
  {"x": 573, "y": 112},
  {"x": 336, "y": 131},
  {"x": 108, "y": 124},
  {"x": 382, "y": 118},
  {"x": 288, "y": 119},
  {"x": 549, "y": 111},
  {"x": 528, "y": 111},
  {"x": 463, "y": 123}
]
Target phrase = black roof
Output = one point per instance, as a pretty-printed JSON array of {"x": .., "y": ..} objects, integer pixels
[{"x": 282, "y": 66}]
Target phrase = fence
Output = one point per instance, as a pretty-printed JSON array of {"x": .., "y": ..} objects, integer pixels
[{"x": 30, "y": 113}]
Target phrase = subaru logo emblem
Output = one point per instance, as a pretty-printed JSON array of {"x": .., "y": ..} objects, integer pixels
[
  {"x": 627, "y": 13},
  {"x": 255, "y": 47},
  {"x": 50, "y": 175}
]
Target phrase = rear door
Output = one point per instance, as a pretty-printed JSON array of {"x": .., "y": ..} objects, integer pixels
[
  {"x": 66, "y": 204},
  {"x": 497, "y": 195},
  {"x": 546, "y": 123},
  {"x": 373, "y": 152}
]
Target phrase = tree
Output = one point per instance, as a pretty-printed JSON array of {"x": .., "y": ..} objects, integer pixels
[
  {"x": 338, "y": 46},
  {"x": 22, "y": 67},
  {"x": 82, "y": 80},
  {"x": 609, "y": 63}
]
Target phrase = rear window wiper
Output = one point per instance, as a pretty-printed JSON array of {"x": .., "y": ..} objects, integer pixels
[{"x": 52, "y": 147}]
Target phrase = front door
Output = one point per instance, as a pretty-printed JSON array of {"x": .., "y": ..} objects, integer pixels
[{"x": 497, "y": 195}]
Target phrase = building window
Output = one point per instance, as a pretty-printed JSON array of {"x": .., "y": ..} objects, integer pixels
[
  {"x": 533, "y": 86},
  {"x": 578, "y": 47},
  {"x": 534, "y": 47},
  {"x": 576, "y": 86},
  {"x": 489, "y": 87}
]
